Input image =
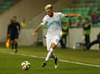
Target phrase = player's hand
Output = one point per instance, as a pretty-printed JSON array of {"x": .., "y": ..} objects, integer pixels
[
  {"x": 79, "y": 16},
  {"x": 34, "y": 34}
]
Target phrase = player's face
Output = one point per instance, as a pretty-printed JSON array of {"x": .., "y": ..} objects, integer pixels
[
  {"x": 14, "y": 19},
  {"x": 49, "y": 12},
  {"x": 86, "y": 21}
]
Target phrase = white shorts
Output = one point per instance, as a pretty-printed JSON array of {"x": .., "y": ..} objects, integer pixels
[{"x": 54, "y": 39}]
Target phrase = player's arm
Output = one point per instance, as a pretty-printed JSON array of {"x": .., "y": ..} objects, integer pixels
[
  {"x": 37, "y": 29},
  {"x": 9, "y": 29},
  {"x": 19, "y": 28},
  {"x": 72, "y": 15},
  {"x": 44, "y": 21}
]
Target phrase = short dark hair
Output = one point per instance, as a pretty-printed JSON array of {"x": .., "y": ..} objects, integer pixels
[
  {"x": 87, "y": 18},
  {"x": 14, "y": 16}
]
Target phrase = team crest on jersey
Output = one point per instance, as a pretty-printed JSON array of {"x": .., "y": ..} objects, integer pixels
[{"x": 57, "y": 40}]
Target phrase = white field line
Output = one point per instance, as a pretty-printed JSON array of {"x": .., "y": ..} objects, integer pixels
[{"x": 59, "y": 59}]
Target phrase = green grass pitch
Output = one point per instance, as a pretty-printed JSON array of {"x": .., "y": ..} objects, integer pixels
[{"x": 10, "y": 63}]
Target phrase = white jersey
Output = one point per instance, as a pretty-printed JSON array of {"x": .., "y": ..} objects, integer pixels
[{"x": 54, "y": 24}]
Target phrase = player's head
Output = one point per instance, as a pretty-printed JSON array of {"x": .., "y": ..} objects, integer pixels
[
  {"x": 87, "y": 20},
  {"x": 14, "y": 19},
  {"x": 49, "y": 10}
]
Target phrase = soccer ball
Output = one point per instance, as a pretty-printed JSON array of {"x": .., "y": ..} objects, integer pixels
[
  {"x": 25, "y": 65},
  {"x": 74, "y": 47}
]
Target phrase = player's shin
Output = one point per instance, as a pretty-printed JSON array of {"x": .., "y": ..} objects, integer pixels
[
  {"x": 12, "y": 45},
  {"x": 16, "y": 46},
  {"x": 53, "y": 56},
  {"x": 49, "y": 54}
]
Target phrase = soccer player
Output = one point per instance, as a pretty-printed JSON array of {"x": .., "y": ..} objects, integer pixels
[
  {"x": 13, "y": 32},
  {"x": 53, "y": 20}
]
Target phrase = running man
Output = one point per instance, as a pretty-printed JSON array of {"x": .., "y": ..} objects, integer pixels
[
  {"x": 53, "y": 20},
  {"x": 13, "y": 32}
]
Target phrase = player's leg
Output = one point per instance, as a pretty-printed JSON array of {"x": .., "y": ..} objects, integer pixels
[
  {"x": 16, "y": 45},
  {"x": 52, "y": 55},
  {"x": 55, "y": 42},
  {"x": 85, "y": 40},
  {"x": 99, "y": 44},
  {"x": 48, "y": 42},
  {"x": 88, "y": 39},
  {"x": 12, "y": 44},
  {"x": 12, "y": 41},
  {"x": 64, "y": 41},
  {"x": 91, "y": 44},
  {"x": 16, "y": 42},
  {"x": 55, "y": 59},
  {"x": 53, "y": 45}
]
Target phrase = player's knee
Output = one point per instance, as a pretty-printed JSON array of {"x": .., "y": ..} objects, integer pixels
[
  {"x": 53, "y": 45},
  {"x": 48, "y": 50},
  {"x": 12, "y": 41},
  {"x": 16, "y": 41}
]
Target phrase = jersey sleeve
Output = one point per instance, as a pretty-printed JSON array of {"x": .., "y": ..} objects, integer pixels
[
  {"x": 9, "y": 28},
  {"x": 62, "y": 15},
  {"x": 44, "y": 21},
  {"x": 19, "y": 27}
]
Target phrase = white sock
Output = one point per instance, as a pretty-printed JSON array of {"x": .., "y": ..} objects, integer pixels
[
  {"x": 49, "y": 54},
  {"x": 53, "y": 56}
]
